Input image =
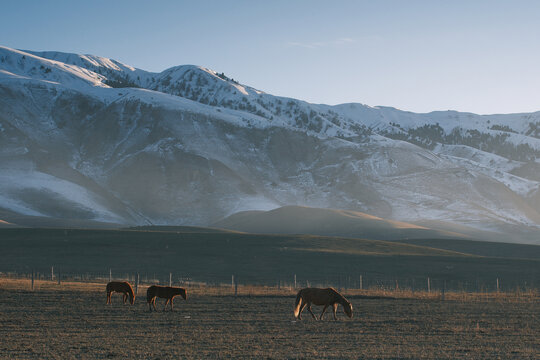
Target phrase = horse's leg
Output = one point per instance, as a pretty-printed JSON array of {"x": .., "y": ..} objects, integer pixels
[
  {"x": 125, "y": 298},
  {"x": 171, "y": 303},
  {"x": 108, "y": 297},
  {"x": 165, "y": 307},
  {"x": 335, "y": 305},
  {"x": 311, "y": 312},
  {"x": 154, "y": 303},
  {"x": 323, "y": 310}
]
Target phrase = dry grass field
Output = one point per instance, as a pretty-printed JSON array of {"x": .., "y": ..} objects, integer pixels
[{"x": 71, "y": 320}]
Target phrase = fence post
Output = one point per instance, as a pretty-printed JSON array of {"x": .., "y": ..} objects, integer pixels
[
  {"x": 361, "y": 285},
  {"x": 397, "y": 285},
  {"x": 295, "y": 281},
  {"x": 52, "y": 273},
  {"x": 110, "y": 275},
  {"x": 428, "y": 285},
  {"x": 32, "y": 280},
  {"x": 170, "y": 279},
  {"x": 497, "y": 285},
  {"x": 443, "y": 290}
]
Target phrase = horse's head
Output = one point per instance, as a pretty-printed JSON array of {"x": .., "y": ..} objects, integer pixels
[
  {"x": 347, "y": 308},
  {"x": 183, "y": 293}
]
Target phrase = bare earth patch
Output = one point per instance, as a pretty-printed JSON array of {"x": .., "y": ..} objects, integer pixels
[{"x": 64, "y": 323}]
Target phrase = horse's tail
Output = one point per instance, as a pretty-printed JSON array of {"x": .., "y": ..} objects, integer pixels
[{"x": 297, "y": 304}]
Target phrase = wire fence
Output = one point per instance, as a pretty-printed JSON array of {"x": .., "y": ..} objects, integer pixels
[{"x": 293, "y": 281}]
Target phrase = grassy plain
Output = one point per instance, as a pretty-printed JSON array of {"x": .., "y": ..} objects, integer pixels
[
  {"x": 71, "y": 320},
  {"x": 214, "y": 256}
]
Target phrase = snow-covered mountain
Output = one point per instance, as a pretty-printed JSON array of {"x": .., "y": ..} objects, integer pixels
[{"x": 86, "y": 137}]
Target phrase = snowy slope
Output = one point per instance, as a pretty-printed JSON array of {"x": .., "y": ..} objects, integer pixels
[
  {"x": 98, "y": 139},
  {"x": 22, "y": 65}
]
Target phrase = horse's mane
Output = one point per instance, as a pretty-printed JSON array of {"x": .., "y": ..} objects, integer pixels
[
  {"x": 341, "y": 299},
  {"x": 130, "y": 290}
]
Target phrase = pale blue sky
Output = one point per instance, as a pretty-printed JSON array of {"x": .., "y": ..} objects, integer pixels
[{"x": 477, "y": 56}]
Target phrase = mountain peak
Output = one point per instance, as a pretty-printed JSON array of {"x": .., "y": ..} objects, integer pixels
[{"x": 190, "y": 145}]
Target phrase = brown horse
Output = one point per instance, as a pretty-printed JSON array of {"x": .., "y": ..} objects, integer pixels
[
  {"x": 325, "y": 297},
  {"x": 120, "y": 287},
  {"x": 164, "y": 292}
]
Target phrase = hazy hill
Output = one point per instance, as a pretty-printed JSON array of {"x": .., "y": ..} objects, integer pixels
[
  {"x": 15, "y": 220},
  {"x": 5, "y": 224},
  {"x": 481, "y": 248},
  {"x": 179, "y": 229},
  {"x": 328, "y": 222}
]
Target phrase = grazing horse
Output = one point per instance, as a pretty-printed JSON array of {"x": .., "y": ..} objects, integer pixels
[
  {"x": 120, "y": 287},
  {"x": 317, "y": 296},
  {"x": 164, "y": 292}
]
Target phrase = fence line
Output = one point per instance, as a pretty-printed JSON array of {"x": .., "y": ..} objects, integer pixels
[{"x": 343, "y": 282}]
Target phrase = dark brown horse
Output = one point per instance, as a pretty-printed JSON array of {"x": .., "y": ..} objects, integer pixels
[
  {"x": 164, "y": 292},
  {"x": 120, "y": 287},
  {"x": 317, "y": 296}
]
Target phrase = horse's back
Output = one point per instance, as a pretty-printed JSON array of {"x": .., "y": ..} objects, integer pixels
[
  {"x": 122, "y": 286},
  {"x": 317, "y": 291},
  {"x": 156, "y": 290},
  {"x": 318, "y": 296},
  {"x": 114, "y": 286},
  {"x": 165, "y": 292}
]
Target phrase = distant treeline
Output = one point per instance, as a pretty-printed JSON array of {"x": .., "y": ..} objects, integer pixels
[{"x": 428, "y": 136}]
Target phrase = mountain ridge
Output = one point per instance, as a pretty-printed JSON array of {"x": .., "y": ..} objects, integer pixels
[{"x": 190, "y": 147}]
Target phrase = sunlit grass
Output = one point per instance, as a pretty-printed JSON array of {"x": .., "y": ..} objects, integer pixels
[{"x": 200, "y": 289}]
